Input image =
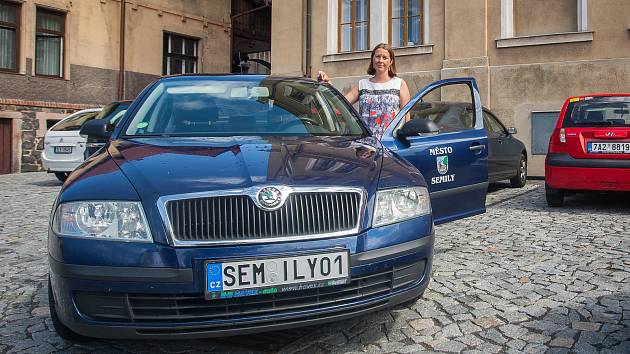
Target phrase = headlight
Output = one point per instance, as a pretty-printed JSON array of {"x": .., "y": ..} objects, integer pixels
[
  {"x": 103, "y": 220},
  {"x": 396, "y": 205}
]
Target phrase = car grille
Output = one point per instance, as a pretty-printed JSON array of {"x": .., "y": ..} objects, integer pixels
[
  {"x": 150, "y": 308},
  {"x": 234, "y": 218}
]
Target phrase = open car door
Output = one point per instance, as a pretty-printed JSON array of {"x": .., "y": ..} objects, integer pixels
[{"x": 447, "y": 142}]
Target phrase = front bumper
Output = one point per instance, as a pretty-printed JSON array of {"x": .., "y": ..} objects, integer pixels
[
  {"x": 132, "y": 302},
  {"x": 565, "y": 172}
]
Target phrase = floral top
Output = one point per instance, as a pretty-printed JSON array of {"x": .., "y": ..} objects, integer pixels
[{"x": 379, "y": 103}]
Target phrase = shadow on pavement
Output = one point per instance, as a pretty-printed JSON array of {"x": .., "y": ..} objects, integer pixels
[{"x": 47, "y": 183}]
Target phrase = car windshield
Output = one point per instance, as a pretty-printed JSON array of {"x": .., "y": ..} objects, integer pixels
[
  {"x": 73, "y": 122},
  {"x": 113, "y": 112},
  {"x": 243, "y": 106},
  {"x": 598, "y": 111}
]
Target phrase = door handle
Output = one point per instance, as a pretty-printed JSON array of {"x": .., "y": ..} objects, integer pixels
[{"x": 478, "y": 147}]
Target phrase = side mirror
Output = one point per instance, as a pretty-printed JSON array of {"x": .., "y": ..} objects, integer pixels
[
  {"x": 512, "y": 130},
  {"x": 97, "y": 129}
]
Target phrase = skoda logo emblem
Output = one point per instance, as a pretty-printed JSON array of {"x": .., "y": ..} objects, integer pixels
[{"x": 269, "y": 197}]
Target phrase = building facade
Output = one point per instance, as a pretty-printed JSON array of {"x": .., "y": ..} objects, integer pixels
[
  {"x": 528, "y": 56},
  {"x": 58, "y": 56}
]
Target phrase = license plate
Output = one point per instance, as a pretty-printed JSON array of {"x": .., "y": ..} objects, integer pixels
[
  {"x": 63, "y": 149},
  {"x": 608, "y": 148},
  {"x": 276, "y": 275}
]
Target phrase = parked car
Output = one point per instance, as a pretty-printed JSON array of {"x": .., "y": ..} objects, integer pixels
[
  {"x": 64, "y": 148},
  {"x": 111, "y": 114},
  {"x": 507, "y": 155},
  {"x": 589, "y": 148},
  {"x": 237, "y": 204}
]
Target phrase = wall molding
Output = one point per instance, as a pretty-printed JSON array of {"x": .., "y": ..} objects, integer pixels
[{"x": 544, "y": 39}]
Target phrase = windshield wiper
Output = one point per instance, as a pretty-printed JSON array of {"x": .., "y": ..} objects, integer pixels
[{"x": 147, "y": 136}]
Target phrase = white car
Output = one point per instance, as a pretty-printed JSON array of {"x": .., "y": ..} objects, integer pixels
[{"x": 64, "y": 148}]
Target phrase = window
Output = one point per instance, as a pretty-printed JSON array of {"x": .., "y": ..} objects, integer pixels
[
  {"x": 543, "y": 124},
  {"x": 180, "y": 54},
  {"x": 73, "y": 123},
  {"x": 49, "y": 42},
  {"x": 406, "y": 18},
  {"x": 492, "y": 124},
  {"x": 449, "y": 117},
  {"x": 354, "y": 25},
  {"x": 542, "y": 17},
  {"x": 9, "y": 36}
]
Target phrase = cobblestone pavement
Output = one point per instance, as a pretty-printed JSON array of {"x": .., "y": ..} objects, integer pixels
[{"x": 520, "y": 278}]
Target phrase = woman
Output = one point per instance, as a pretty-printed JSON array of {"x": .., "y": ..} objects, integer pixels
[{"x": 381, "y": 96}]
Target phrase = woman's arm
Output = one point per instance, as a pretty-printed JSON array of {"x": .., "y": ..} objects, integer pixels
[
  {"x": 405, "y": 97},
  {"x": 353, "y": 95}
]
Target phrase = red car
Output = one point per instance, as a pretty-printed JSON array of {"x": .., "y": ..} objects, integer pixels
[{"x": 590, "y": 147}]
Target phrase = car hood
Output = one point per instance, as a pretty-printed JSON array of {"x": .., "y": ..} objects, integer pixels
[{"x": 159, "y": 167}]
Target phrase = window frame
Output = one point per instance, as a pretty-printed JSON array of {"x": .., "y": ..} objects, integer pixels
[
  {"x": 168, "y": 38},
  {"x": 62, "y": 35},
  {"x": 353, "y": 25},
  {"x": 405, "y": 19},
  {"x": 493, "y": 119},
  {"x": 16, "y": 27}
]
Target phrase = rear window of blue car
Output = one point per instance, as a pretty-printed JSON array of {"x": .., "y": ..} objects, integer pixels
[
  {"x": 73, "y": 122},
  {"x": 598, "y": 111},
  {"x": 237, "y": 106}
]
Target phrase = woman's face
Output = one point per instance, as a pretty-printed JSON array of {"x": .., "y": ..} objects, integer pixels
[{"x": 381, "y": 60}]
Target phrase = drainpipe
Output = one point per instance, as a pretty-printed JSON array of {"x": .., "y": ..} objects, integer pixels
[
  {"x": 121, "y": 70},
  {"x": 308, "y": 39}
]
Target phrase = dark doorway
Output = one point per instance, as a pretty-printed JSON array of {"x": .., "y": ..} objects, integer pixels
[
  {"x": 251, "y": 36},
  {"x": 5, "y": 146}
]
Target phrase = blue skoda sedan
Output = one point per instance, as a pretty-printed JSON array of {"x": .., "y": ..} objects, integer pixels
[{"x": 227, "y": 205}]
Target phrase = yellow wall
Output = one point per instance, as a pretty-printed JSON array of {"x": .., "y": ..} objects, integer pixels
[
  {"x": 207, "y": 20},
  {"x": 93, "y": 32},
  {"x": 544, "y": 16},
  {"x": 287, "y": 48}
]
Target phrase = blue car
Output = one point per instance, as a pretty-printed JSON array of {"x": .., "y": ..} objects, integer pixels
[{"x": 226, "y": 205}]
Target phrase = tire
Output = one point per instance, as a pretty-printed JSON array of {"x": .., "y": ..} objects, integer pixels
[
  {"x": 61, "y": 329},
  {"x": 555, "y": 197},
  {"x": 62, "y": 176},
  {"x": 520, "y": 179}
]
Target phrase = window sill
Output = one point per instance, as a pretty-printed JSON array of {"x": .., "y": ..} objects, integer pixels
[
  {"x": 11, "y": 72},
  {"x": 51, "y": 77},
  {"x": 544, "y": 39},
  {"x": 365, "y": 54}
]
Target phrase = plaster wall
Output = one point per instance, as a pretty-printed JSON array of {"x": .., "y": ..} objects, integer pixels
[
  {"x": 533, "y": 17},
  {"x": 288, "y": 45},
  {"x": 465, "y": 28},
  {"x": 206, "y": 20},
  {"x": 609, "y": 24},
  {"x": 519, "y": 90}
]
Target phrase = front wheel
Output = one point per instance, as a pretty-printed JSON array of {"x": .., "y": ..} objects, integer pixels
[
  {"x": 555, "y": 197},
  {"x": 62, "y": 330},
  {"x": 520, "y": 179}
]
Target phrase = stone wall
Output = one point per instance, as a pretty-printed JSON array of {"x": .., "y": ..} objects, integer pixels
[{"x": 28, "y": 140}]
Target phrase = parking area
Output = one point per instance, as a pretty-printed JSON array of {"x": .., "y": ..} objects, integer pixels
[{"x": 520, "y": 278}]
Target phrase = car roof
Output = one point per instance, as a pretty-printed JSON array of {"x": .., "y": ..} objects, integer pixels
[
  {"x": 243, "y": 76},
  {"x": 600, "y": 95}
]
